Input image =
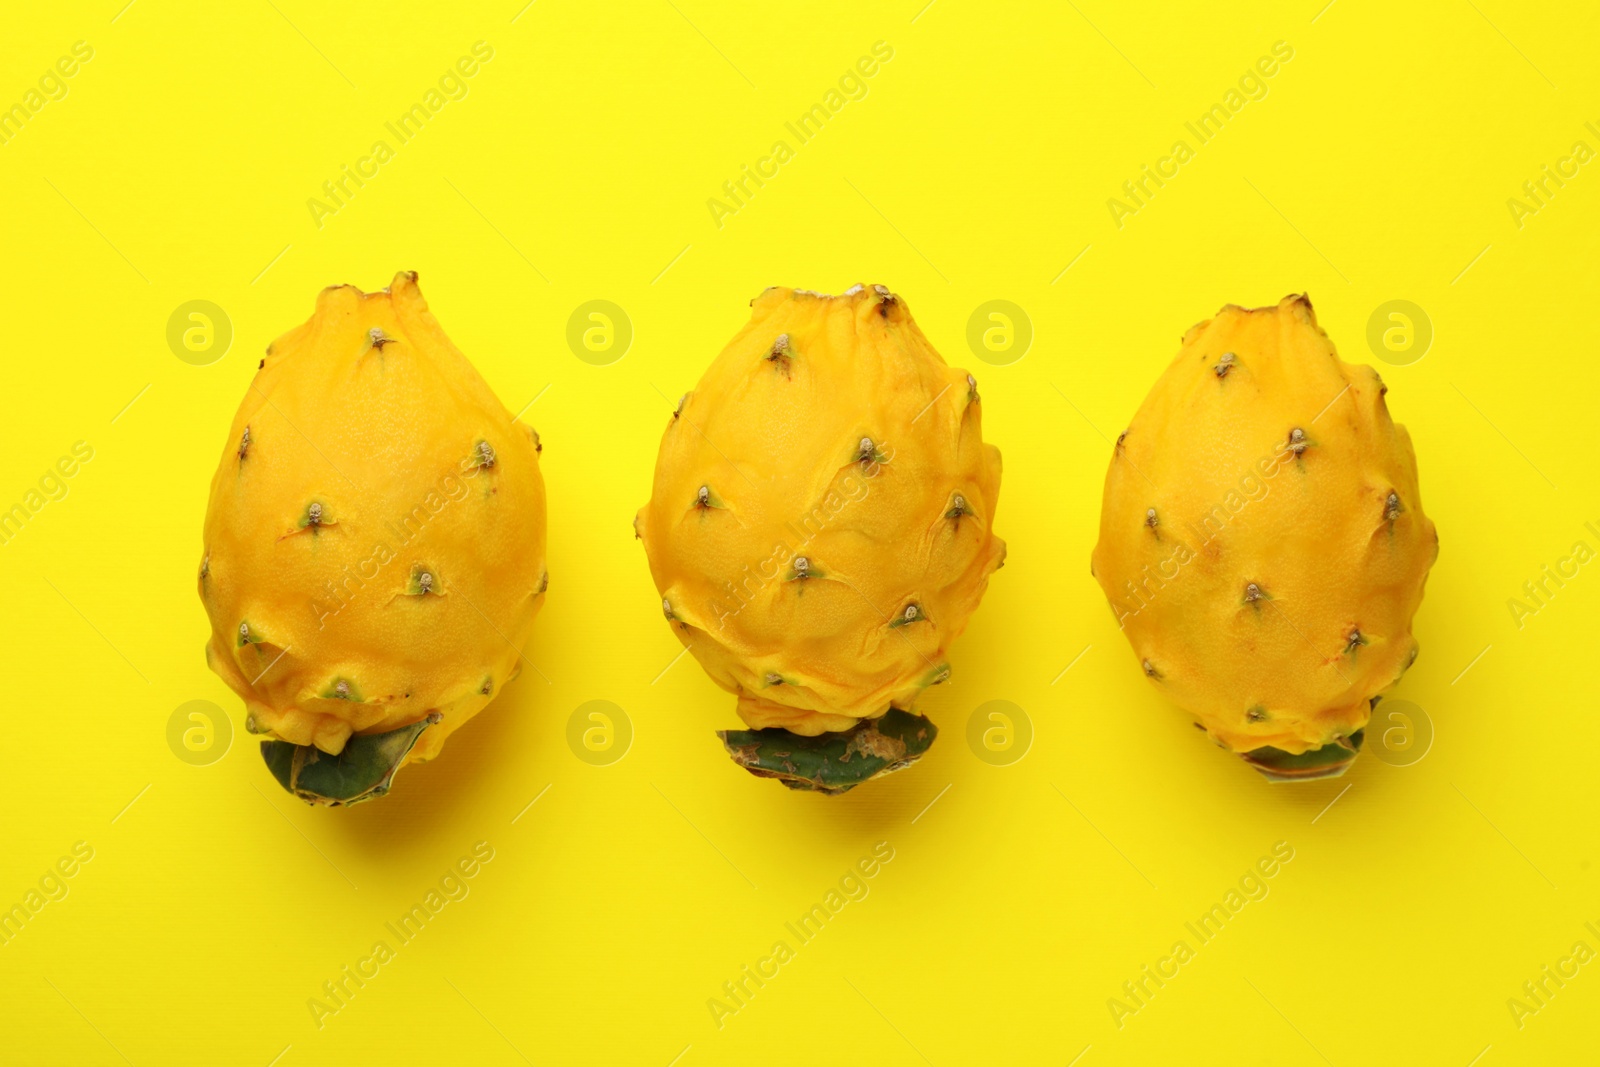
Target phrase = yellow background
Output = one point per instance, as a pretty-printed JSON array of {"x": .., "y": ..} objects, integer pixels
[{"x": 977, "y": 167}]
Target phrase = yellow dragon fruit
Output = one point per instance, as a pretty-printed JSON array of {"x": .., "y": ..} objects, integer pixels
[
  {"x": 374, "y": 545},
  {"x": 821, "y": 528},
  {"x": 1262, "y": 540}
]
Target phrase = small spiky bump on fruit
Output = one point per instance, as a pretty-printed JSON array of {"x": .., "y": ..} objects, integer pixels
[
  {"x": 886, "y": 299},
  {"x": 205, "y": 567},
  {"x": 682, "y": 400},
  {"x": 912, "y": 613},
  {"x": 780, "y": 353},
  {"x": 666, "y": 608},
  {"x": 829, "y": 611},
  {"x": 1310, "y": 544},
  {"x": 338, "y": 692},
  {"x": 486, "y": 688},
  {"x": 702, "y": 498},
  {"x": 774, "y": 678}
]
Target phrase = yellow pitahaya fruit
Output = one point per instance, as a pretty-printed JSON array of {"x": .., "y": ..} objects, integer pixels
[
  {"x": 821, "y": 528},
  {"x": 1262, "y": 540},
  {"x": 374, "y": 545}
]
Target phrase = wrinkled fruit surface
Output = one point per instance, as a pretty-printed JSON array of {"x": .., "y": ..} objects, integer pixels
[
  {"x": 374, "y": 544},
  {"x": 1262, "y": 539},
  {"x": 820, "y": 527}
]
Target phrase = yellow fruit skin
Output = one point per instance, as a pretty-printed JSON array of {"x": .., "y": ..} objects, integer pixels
[
  {"x": 777, "y": 442},
  {"x": 385, "y": 437},
  {"x": 1315, "y": 531}
]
